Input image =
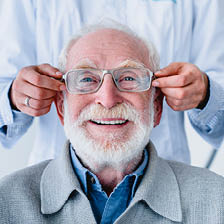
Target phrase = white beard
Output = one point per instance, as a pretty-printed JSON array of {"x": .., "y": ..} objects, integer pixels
[{"x": 114, "y": 151}]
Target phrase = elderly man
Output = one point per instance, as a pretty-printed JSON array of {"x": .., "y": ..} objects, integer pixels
[{"x": 109, "y": 172}]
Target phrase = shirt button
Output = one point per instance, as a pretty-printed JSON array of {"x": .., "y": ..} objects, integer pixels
[{"x": 92, "y": 180}]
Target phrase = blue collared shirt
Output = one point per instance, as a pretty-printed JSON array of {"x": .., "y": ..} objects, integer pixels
[{"x": 108, "y": 209}]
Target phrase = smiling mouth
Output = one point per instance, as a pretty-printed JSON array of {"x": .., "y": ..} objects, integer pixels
[{"x": 111, "y": 122}]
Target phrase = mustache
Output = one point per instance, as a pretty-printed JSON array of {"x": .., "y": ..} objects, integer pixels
[{"x": 96, "y": 111}]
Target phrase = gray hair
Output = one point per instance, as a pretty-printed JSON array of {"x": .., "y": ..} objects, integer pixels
[{"x": 108, "y": 24}]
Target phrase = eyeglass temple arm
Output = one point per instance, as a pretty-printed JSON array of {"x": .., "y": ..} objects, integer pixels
[
  {"x": 153, "y": 76},
  {"x": 63, "y": 78}
]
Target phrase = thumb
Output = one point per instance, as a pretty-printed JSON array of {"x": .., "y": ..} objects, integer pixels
[{"x": 171, "y": 69}]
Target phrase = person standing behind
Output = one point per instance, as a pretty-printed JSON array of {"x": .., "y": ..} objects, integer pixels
[{"x": 179, "y": 29}]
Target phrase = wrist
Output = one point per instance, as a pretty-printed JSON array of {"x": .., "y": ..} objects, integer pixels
[
  {"x": 204, "y": 102},
  {"x": 13, "y": 106}
]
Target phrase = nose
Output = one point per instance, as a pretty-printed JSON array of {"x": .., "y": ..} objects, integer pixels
[{"x": 108, "y": 95}]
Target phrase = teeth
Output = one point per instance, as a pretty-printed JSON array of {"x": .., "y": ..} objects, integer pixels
[{"x": 109, "y": 122}]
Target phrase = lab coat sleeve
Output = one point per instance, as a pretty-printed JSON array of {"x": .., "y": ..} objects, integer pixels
[
  {"x": 208, "y": 54},
  {"x": 17, "y": 38}
]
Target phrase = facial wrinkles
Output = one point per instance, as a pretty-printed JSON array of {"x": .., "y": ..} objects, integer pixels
[
  {"x": 106, "y": 61},
  {"x": 86, "y": 63},
  {"x": 107, "y": 48}
]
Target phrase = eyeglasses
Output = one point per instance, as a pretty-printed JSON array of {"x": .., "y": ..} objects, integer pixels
[{"x": 83, "y": 81}]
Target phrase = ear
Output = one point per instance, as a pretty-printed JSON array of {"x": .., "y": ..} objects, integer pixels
[
  {"x": 59, "y": 103},
  {"x": 158, "y": 106}
]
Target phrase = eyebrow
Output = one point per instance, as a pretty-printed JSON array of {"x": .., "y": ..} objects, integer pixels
[
  {"x": 131, "y": 63},
  {"x": 85, "y": 63}
]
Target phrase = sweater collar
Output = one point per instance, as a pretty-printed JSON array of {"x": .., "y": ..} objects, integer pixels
[{"x": 158, "y": 188}]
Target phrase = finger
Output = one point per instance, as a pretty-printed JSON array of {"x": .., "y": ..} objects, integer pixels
[
  {"x": 43, "y": 81},
  {"x": 193, "y": 91},
  {"x": 173, "y": 81},
  {"x": 35, "y": 104},
  {"x": 180, "y": 105},
  {"x": 171, "y": 69},
  {"x": 33, "y": 112},
  {"x": 34, "y": 92},
  {"x": 184, "y": 102},
  {"x": 48, "y": 70},
  {"x": 21, "y": 105},
  {"x": 39, "y": 104},
  {"x": 179, "y": 93}
]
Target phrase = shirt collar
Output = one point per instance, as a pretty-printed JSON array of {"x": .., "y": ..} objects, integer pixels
[
  {"x": 83, "y": 173},
  {"x": 79, "y": 169}
]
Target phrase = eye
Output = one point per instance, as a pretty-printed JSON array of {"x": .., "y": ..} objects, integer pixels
[
  {"x": 87, "y": 79},
  {"x": 128, "y": 78}
]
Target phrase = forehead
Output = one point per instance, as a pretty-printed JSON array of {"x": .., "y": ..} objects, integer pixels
[{"x": 107, "y": 48}]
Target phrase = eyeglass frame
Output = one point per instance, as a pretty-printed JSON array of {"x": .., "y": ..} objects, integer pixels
[{"x": 111, "y": 72}]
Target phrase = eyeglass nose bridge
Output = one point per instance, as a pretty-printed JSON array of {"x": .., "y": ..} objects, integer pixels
[{"x": 105, "y": 72}]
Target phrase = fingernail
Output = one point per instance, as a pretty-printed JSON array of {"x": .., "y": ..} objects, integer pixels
[
  {"x": 158, "y": 73},
  {"x": 58, "y": 73},
  {"x": 155, "y": 83}
]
